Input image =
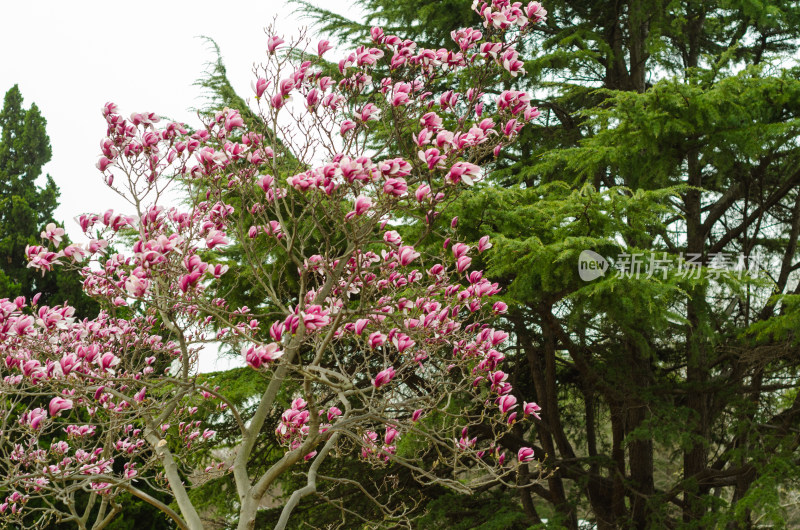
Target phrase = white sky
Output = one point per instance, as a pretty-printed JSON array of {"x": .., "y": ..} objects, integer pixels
[{"x": 71, "y": 57}]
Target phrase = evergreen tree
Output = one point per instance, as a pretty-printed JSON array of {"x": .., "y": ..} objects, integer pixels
[
  {"x": 669, "y": 401},
  {"x": 25, "y": 207}
]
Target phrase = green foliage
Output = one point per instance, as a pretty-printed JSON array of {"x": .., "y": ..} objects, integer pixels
[
  {"x": 488, "y": 511},
  {"x": 137, "y": 514},
  {"x": 781, "y": 327}
]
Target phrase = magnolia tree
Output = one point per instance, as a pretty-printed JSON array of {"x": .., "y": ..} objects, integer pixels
[{"x": 374, "y": 339}]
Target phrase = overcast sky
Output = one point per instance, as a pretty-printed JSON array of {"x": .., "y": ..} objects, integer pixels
[{"x": 71, "y": 57}]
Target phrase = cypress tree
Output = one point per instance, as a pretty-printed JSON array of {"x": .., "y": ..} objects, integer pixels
[{"x": 26, "y": 207}]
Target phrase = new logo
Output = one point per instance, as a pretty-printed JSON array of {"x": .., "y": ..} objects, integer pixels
[{"x": 591, "y": 265}]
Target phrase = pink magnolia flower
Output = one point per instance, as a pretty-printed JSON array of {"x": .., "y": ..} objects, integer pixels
[
  {"x": 291, "y": 323},
  {"x": 314, "y": 317},
  {"x": 233, "y": 120},
  {"x": 531, "y": 113},
  {"x": 391, "y": 434},
  {"x": 87, "y": 221},
  {"x": 255, "y": 356},
  {"x": 496, "y": 379},
  {"x": 97, "y": 246},
  {"x": 103, "y": 163},
  {"x": 259, "y": 86},
  {"x": 369, "y": 113},
  {"x": 512, "y": 127},
  {"x": 498, "y": 337},
  {"x": 392, "y": 237},
  {"x": 276, "y": 331},
  {"x": 466, "y": 38},
  {"x": 362, "y": 205},
  {"x": 285, "y": 86},
  {"x": 325, "y": 82},
  {"x": 136, "y": 287},
  {"x": 460, "y": 249},
  {"x": 68, "y": 362},
  {"x": 33, "y": 418},
  {"x": 369, "y": 438},
  {"x": 535, "y": 12},
  {"x": 448, "y": 99},
  {"x": 395, "y": 186},
  {"x": 361, "y": 323},
  {"x": 431, "y": 120},
  {"x": 500, "y": 307},
  {"x": 399, "y": 98},
  {"x": 376, "y": 339},
  {"x": 41, "y": 258},
  {"x": 189, "y": 280},
  {"x": 60, "y": 447},
  {"x": 402, "y": 342},
  {"x": 445, "y": 140},
  {"x": 57, "y": 404},
  {"x": 53, "y": 233},
  {"x": 407, "y": 254},
  {"x": 416, "y": 415},
  {"x": 513, "y": 100},
  {"x": 423, "y": 191},
  {"x": 23, "y": 325},
  {"x": 492, "y": 359},
  {"x": 75, "y": 252},
  {"x": 377, "y": 34},
  {"x": 463, "y": 263},
  {"x": 506, "y": 403},
  {"x": 395, "y": 167},
  {"x": 276, "y": 101},
  {"x": 383, "y": 377},
  {"x": 215, "y": 238},
  {"x": 130, "y": 470},
  {"x": 463, "y": 172},
  {"x": 119, "y": 301},
  {"x": 432, "y": 157},
  {"x": 323, "y": 46},
  {"x": 465, "y": 442},
  {"x": 423, "y": 138},
  {"x": 218, "y": 270},
  {"x": 108, "y": 361},
  {"x": 312, "y": 98},
  {"x": 144, "y": 118},
  {"x": 347, "y": 125},
  {"x": 90, "y": 354},
  {"x": 531, "y": 409},
  {"x": 525, "y": 454},
  {"x": 109, "y": 108},
  {"x": 273, "y": 42}
]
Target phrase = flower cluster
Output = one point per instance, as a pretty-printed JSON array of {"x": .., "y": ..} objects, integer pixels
[{"x": 367, "y": 332}]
